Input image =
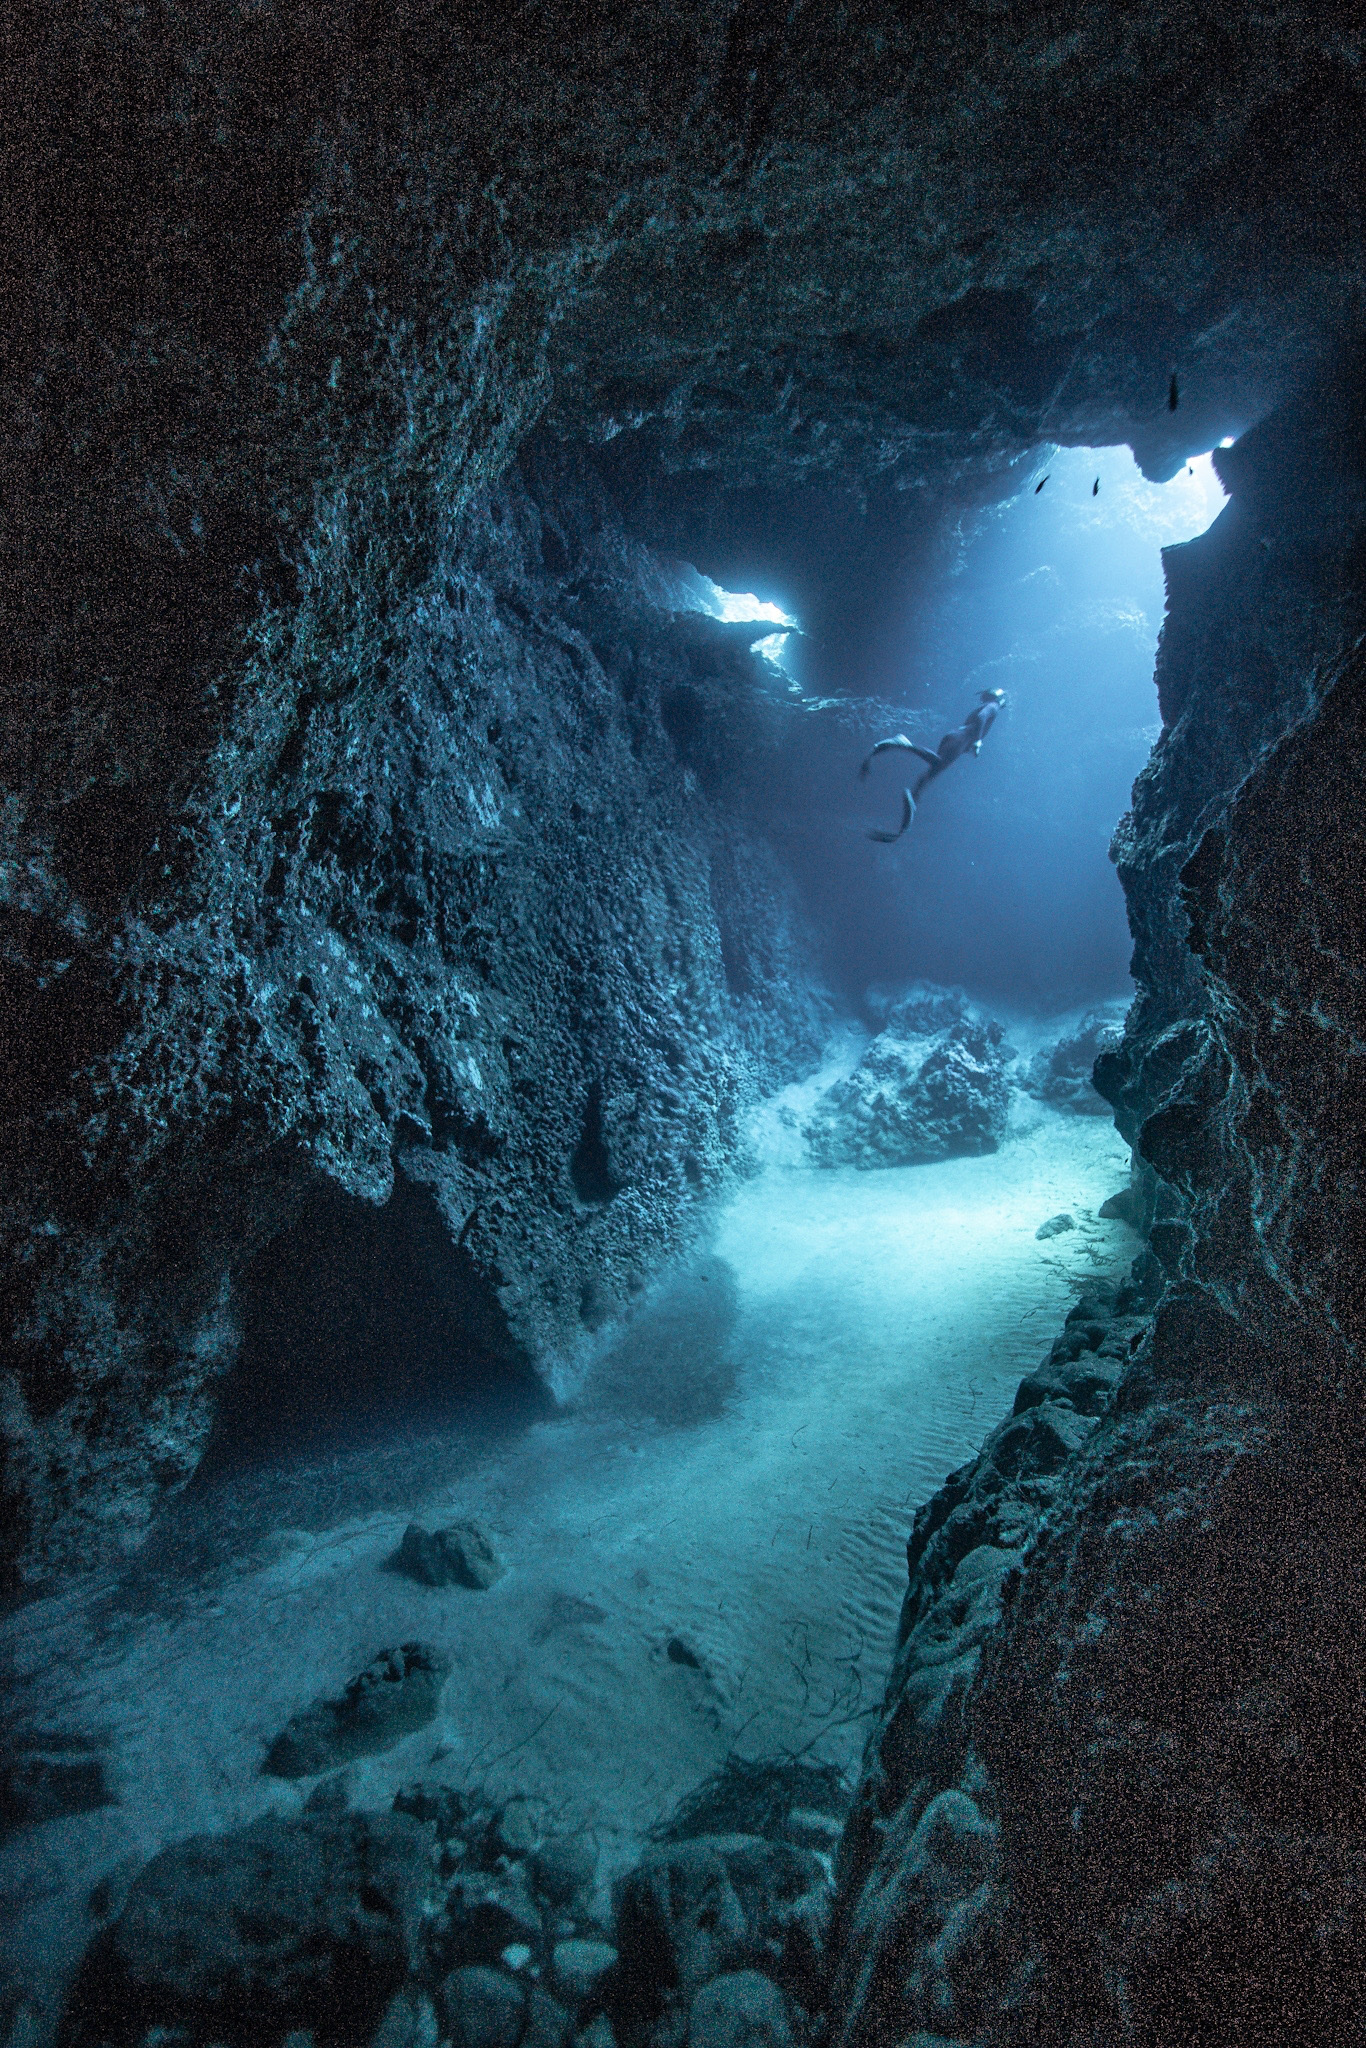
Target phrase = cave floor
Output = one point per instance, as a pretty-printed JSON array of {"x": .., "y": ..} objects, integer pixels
[{"x": 876, "y": 1325}]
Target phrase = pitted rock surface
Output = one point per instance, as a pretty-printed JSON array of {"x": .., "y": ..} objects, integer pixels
[{"x": 914, "y": 1099}]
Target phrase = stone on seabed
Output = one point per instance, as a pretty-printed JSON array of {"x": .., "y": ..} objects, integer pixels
[
  {"x": 460, "y": 1555},
  {"x": 395, "y": 1695}
]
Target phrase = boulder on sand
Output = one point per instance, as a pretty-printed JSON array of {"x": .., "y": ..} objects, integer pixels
[
  {"x": 395, "y": 1695},
  {"x": 913, "y": 1099},
  {"x": 1062, "y": 1075},
  {"x": 460, "y": 1555}
]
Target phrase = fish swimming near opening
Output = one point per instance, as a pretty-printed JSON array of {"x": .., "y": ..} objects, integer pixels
[
  {"x": 1173, "y": 394},
  {"x": 1095, "y": 488},
  {"x": 1040, "y": 484}
]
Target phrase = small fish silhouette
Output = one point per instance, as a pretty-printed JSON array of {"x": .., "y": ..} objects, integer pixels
[
  {"x": 1173, "y": 394},
  {"x": 1040, "y": 484},
  {"x": 1095, "y": 488}
]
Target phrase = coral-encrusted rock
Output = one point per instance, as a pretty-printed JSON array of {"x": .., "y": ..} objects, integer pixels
[
  {"x": 1274, "y": 589},
  {"x": 919, "y": 1010},
  {"x": 245, "y": 1937},
  {"x": 1269, "y": 1146},
  {"x": 912, "y": 1099},
  {"x": 483, "y": 2008},
  {"x": 1062, "y": 1075},
  {"x": 394, "y": 1696},
  {"x": 740, "y": 2009},
  {"x": 717, "y": 1903},
  {"x": 1183, "y": 1829},
  {"x": 918, "y": 1954},
  {"x": 678, "y": 1921}
]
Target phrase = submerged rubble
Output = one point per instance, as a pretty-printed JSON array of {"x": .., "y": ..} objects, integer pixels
[{"x": 448, "y": 1919}]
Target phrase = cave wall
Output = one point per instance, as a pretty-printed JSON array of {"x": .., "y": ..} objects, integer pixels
[
  {"x": 1114, "y": 1793},
  {"x": 491, "y": 935}
]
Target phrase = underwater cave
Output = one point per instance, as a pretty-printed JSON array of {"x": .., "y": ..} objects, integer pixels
[{"x": 682, "y": 1028}]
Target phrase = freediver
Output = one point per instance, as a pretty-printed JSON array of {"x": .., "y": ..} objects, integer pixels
[{"x": 964, "y": 738}]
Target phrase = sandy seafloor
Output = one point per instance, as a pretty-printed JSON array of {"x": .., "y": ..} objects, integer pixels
[{"x": 741, "y": 1474}]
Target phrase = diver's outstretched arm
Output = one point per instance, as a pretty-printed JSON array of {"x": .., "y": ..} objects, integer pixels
[
  {"x": 907, "y": 813},
  {"x": 883, "y": 747}
]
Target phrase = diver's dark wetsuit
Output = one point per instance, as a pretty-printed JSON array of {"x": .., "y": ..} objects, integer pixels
[{"x": 964, "y": 738}]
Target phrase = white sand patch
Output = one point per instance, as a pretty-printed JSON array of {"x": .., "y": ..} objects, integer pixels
[{"x": 879, "y": 1324}]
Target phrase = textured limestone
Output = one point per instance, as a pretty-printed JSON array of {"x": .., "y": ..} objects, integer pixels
[{"x": 913, "y": 1099}]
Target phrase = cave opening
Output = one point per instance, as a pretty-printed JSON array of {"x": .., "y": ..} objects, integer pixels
[{"x": 1053, "y": 593}]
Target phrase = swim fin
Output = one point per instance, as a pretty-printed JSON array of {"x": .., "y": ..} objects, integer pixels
[{"x": 907, "y": 813}]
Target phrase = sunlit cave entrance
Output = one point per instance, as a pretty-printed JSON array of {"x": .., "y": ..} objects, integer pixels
[{"x": 1054, "y": 595}]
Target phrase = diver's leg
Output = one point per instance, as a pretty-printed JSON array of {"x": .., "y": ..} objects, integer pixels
[{"x": 931, "y": 760}]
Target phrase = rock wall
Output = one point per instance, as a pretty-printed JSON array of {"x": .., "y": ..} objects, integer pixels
[
  {"x": 491, "y": 935},
  {"x": 1111, "y": 1795}
]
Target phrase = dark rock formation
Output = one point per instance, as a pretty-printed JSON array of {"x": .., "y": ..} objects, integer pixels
[
  {"x": 483, "y": 2008},
  {"x": 498, "y": 935},
  {"x": 46, "y": 1772},
  {"x": 1062, "y": 1076},
  {"x": 242, "y": 1938},
  {"x": 914, "y": 1099},
  {"x": 714, "y": 1904},
  {"x": 740, "y": 2009},
  {"x": 346, "y": 826},
  {"x": 396, "y": 1694},
  {"x": 1129, "y": 1655},
  {"x": 372, "y": 817},
  {"x": 461, "y": 1555}
]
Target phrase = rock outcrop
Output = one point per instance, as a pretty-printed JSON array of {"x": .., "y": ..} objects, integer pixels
[
  {"x": 457, "y": 1918},
  {"x": 1062, "y": 1075},
  {"x": 494, "y": 937},
  {"x": 913, "y": 1099}
]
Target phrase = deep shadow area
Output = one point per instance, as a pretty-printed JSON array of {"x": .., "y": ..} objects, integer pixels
[{"x": 358, "y": 1320}]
